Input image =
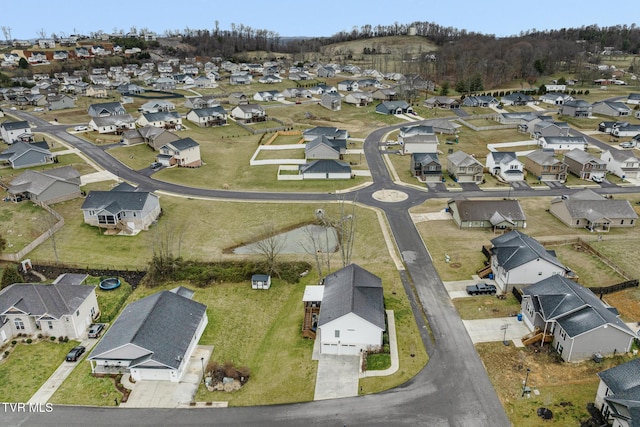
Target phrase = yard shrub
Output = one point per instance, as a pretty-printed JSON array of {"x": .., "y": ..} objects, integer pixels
[
  {"x": 10, "y": 275},
  {"x": 29, "y": 340},
  {"x": 60, "y": 338},
  {"x": 52, "y": 338},
  {"x": 14, "y": 342},
  {"x": 66, "y": 339},
  {"x": 39, "y": 336},
  {"x": 6, "y": 354}
]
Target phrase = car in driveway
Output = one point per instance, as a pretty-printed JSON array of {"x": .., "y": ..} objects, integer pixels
[
  {"x": 481, "y": 289},
  {"x": 155, "y": 166},
  {"x": 95, "y": 330},
  {"x": 597, "y": 178},
  {"x": 75, "y": 353},
  {"x": 80, "y": 128},
  {"x": 628, "y": 144}
]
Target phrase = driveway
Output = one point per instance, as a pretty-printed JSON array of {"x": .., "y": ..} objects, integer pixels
[
  {"x": 494, "y": 330},
  {"x": 458, "y": 289},
  {"x": 167, "y": 394},
  {"x": 337, "y": 376}
]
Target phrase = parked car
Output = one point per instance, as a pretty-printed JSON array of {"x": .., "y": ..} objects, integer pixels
[
  {"x": 628, "y": 144},
  {"x": 597, "y": 178},
  {"x": 80, "y": 128},
  {"x": 75, "y": 353},
  {"x": 95, "y": 330},
  {"x": 481, "y": 289},
  {"x": 37, "y": 109},
  {"x": 155, "y": 165}
]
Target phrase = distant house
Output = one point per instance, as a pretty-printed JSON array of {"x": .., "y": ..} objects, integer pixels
[
  {"x": 48, "y": 186},
  {"x": 208, "y": 116},
  {"x": 545, "y": 167},
  {"x": 443, "y": 102},
  {"x": 106, "y": 109},
  {"x": 584, "y": 165},
  {"x": 426, "y": 167},
  {"x": 324, "y": 148},
  {"x": 326, "y": 131},
  {"x": 633, "y": 99},
  {"x": 325, "y": 72},
  {"x": 260, "y": 281},
  {"x": 270, "y": 79},
  {"x": 23, "y": 155},
  {"x": 162, "y": 119},
  {"x": 153, "y": 338},
  {"x": 563, "y": 143},
  {"x": 622, "y": 163},
  {"x": 60, "y": 102},
  {"x": 157, "y": 106},
  {"x": 164, "y": 83},
  {"x": 494, "y": 214},
  {"x": 112, "y": 124},
  {"x": 625, "y": 129},
  {"x": 241, "y": 78},
  {"x": 123, "y": 207},
  {"x": 348, "y": 85},
  {"x": 576, "y": 108},
  {"x": 394, "y": 107},
  {"x": 480, "y": 101},
  {"x": 197, "y": 102},
  {"x": 331, "y": 101},
  {"x": 555, "y": 98},
  {"x": 325, "y": 169},
  {"x": 96, "y": 91},
  {"x": 612, "y": 109},
  {"x": 593, "y": 211},
  {"x": 150, "y": 135},
  {"x": 249, "y": 113},
  {"x": 359, "y": 99},
  {"x": 56, "y": 310},
  {"x": 517, "y": 259},
  {"x": 268, "y": 96},
  {"x": 578, "y": 322},
  {"x": 518, "y": 118},
  {"x": 386, "y": 94},
  {"x": 418, "y": 139},
  {"x": 183, "y": 152},
  {"x": 548, "y": 128},
  {"x": 517, "y": 99},
  {"x": 618, "y": 394},
  {"x": 15, "y": 131},
  {"x": 465, "y": 168},
  {"x": 352, "y": 315},
  {"x": 505, "y": 165}
]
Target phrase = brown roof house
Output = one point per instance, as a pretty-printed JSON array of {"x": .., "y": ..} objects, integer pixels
[{"x": 495, "y": 214}]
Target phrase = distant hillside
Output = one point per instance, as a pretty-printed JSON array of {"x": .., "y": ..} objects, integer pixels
[{"x": 394, "y": 45}]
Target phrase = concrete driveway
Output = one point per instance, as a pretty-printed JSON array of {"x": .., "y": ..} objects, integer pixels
[
  {"x": 167, "y": 394},
  {"x": 458, "y": 289},
  {"x": 337, "y": 376},
  {"x": 491, "y": 330}
]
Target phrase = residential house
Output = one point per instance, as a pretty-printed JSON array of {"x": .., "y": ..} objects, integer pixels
[
  {"x": 386, "y": 94},
  {"x": 153, "y": 338},
  {"x": 576, "y": 108},
  {"x": 270, "y": 79},
  {"x": 545, "y": 167},
  {"x": 607, "y": 126},
  {"x": 633, "y": 99},
  {"x": 464, "y": 168},
  {"x": 549, "y": 128},
  {"x": 555, "y": 98},
  {"x": 348, "y": 85},
  {"x": 208, "y": 116},
  {"x": 241, "y": 78},
  {"x": 150, "y": 135},
  {"x": 237, "y": 98},
  {"x": 15, "y": 131},
  {"x": 480, "y": 101},
  {"x": 352, "y": 317},
  {"x": 593, "y": 211},
  {"x": 325, "y": 169},
  {"x": 519, "y": 118},
  {"x": 625, "y": 129},
  {"x": 106, "y": 109},
  {"x": 157, "y": 106},
  {"x": 204, "y": 82},
  {"x": 24, "y": 154},
  {"x": 366, "y": 83},
  {"x": 517, "y": 259},
  {"x": 112, "y": 124},
  {"x": 517, "y": 99},
  {"x": 326, "y": 72},
  {"x": 579, "y": 323},
  {"x": 195, "y": 102},
  {"x": 495, "y": 214},
  {"x": 426, "y": 167},
  {"x": 584, "y": 165},
  {"x": 612, "y": 109},
  {"x": 183, "y": 153},
  {"x": 96, "y": 91},
  {"x": 443, "y": 102},
  {"x": 56, "y": 310},
  {"x": 325, "y": 148},
  {"x": 268, "y": 96},
  {"x": 360, "y": 99},
  {"x": 48, "y": 186},
  {"x": 505, "y": 165},
  {"x": 326, "y": 131},
  {"x": 249, "y": 113},
  {"x": 164, "y": 83},
  {"x": 162, "y": 119},
  {"x": 563, "y": 143},
  {"x": 60, "y": 102},
  {"x": 331, "y": 101},
  {"x": 394, "y": 107},
  {"x": 122, "y": 207},
  {"x": 622, "y": 163},
  {"x": 300, "y": 75},
  {"x": 618, "y": 394},
  {"x": 418, "y": 139}
]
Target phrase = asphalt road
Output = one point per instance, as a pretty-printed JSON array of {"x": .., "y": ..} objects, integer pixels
[{"x": 452, "y": 390}]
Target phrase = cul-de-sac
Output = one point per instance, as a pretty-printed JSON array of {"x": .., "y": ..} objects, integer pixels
[{"x": 403, "y": 224}]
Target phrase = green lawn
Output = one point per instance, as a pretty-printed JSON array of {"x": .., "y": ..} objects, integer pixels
[
  {"x": 281, "y": 154},
  {"x": 22, "y": 222},
  {"x": 81, "y": 388},
  {"x": 136, "y": 157},
  {"x": 377, "y": 362},
  {"x": 28, "y": 367},
  {"x": 483, "y": 307}
]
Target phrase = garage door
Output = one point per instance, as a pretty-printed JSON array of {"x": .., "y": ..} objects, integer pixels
[
  {"x": 329, "y": 349},
  {"x": 348, "y": 350},
  {"x": 155, "y": 374}
]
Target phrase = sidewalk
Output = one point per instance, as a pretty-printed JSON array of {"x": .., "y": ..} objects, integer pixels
[
  {"x": 393, "y": 350},
  {"x": 57, "y": 378}
]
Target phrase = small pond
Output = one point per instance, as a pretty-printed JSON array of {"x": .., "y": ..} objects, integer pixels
[{"x": 299, "y": 241}]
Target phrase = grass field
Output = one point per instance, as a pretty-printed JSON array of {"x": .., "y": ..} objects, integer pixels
[{"x": 21, "y": 223}]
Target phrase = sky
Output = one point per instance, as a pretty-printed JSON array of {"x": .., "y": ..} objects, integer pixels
[{"x": 305, "y": 18}]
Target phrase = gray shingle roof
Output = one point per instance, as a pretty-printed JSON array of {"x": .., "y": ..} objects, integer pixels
[
  {"x": 183, "y": 144},
  {"x": 34, "y": 299},
  {"x": 325, "y": 166},
  {"x": 576, "y": 309},
  {"x": 623, "y": 377},
  {"x": 484, "y": 210},
  {"x": 339, "y": 145},
  {"x": 460, "y": 158},
  {"x": 163, "y": 323},
  {"x": 592, "y": 206},
  {"x": 116, "y": 200},
  {"x": 583, "y": 157},
  {"x": 209, "y": 111},
  {"x": 35, "y": 182},
  {"x": 543, "y": 157},
  {"x": 425, "y": 158},
  {"x": 515, "y": 248},
  {"x": 15, "y": 125},
  {"x": 328, "y": 131},
  {"x": 161, "y": 116},
  {"x": 352, "y": 290},
  {"x": 503, "y": 156}
]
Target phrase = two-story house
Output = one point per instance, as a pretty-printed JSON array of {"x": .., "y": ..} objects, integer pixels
[
  {"x": 622, "y": 163},
  {"x": 464, "y": 168},
  {"x": 584, "y": 165},
  {"x": 545, "y": 167},
  {"x": 505, "y": 165},
  {"x": 183, "y": 153},
  {"x": 426, "y": 167}
]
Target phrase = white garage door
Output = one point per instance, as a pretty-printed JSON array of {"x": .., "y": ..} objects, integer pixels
[
  {"x": 350, "y": 350},
  {"x": 329, "y": 349},
  {"x": 155, "y": 374}
]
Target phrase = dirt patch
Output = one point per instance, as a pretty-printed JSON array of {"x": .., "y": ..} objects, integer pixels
[{"x": 627, "y": 302}]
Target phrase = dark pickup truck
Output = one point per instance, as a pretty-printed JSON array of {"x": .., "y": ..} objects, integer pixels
[{"x": 481, "y": 289}]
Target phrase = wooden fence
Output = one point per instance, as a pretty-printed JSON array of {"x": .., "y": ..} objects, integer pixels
[{"x": 615, "y": 288}]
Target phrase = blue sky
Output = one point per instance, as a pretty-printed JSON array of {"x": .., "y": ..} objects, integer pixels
[{"x": 306, "y": 18}]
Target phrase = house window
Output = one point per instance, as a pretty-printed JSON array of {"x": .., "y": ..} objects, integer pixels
[
  {"x": 93, "y": 311},
  {"x": 19, "y": 323},
  {"x": 50, "y": 324},
  {"x": 77, "y": 313},
  {"x": 337, "y": 333},
  {"x": 621, "y": 221}
]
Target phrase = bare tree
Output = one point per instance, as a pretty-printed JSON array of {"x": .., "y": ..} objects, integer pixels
[
  {"x": 271, "y": 246},
  {"x": 49, "y": 221},
  {"x": 346, "y": 229},
  {"x": 312, "y": 247}
]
